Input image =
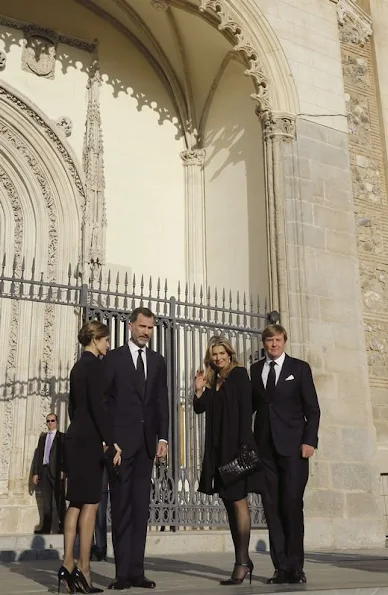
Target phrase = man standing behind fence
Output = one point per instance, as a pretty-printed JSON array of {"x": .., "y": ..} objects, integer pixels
[
  {"x": 47, "y": 472},
  {"x": 286, "y": 431},
  {"x": 138, "y": 403}
]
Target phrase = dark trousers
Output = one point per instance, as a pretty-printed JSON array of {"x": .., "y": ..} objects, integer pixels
[
  {"x": 130, "y": 499},
  {"x": 100, "y": 530},
  {"x": 51, "y": 488},
  {"x": 285, "y": 482}
]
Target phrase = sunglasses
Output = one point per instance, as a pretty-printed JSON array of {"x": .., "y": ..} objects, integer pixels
[{"x": 50, "y": 421}]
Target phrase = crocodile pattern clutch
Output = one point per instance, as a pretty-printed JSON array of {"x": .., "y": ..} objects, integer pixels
[{"x": 246, "y": 463}]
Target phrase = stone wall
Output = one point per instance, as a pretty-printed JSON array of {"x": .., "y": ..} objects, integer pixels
[
  {"x": 326, "y": 323},
  {"x": 366, "y": 149}
]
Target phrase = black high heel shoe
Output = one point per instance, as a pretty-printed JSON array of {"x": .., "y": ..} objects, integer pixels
[
  {"x": 67, "y": 577},
  {"x": 82, "y": 584},
  {"x": 238, "y": 581}
]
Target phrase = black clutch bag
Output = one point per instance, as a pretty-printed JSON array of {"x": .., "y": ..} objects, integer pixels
[{"x": 246, "y": 463}]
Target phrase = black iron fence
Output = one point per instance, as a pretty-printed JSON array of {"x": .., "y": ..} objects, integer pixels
[{"x": 184, "y": 324}]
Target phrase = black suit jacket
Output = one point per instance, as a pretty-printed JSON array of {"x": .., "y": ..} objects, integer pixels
[
  {"x": 56, "y": 460},
  {"x": 292, "y": 415},
  {"x": 135, "y": 414}
]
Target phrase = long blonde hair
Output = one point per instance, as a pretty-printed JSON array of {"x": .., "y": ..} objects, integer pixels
[{"x": 210, "y": 373}]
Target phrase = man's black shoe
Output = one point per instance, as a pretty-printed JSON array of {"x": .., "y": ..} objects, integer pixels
[
  {"x": 279, "y": 578},
  {"x": 143, "y": 583},
  {"x": 119, "y": 585},
  {"x": 297, "y": 577},
  {"x": 98, "y": 555},
  {"x": 42, "y": 531}
]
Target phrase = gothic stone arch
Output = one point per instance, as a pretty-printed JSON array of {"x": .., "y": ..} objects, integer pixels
[{"x": 41, "y": 198}]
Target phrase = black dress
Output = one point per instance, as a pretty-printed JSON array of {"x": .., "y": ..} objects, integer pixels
[
  {"x": 90, "y": 426},
  {"x": 228, "y": 426}
]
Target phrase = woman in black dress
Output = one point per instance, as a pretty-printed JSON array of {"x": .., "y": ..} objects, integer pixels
[
  {"x": 90, "y": 434},
  {"x": 223, "y": 392}
]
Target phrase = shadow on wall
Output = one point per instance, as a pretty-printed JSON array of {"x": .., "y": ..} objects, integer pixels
[
  {"x": 54, "y": 389},
  {"x": 128, "y": 76}
]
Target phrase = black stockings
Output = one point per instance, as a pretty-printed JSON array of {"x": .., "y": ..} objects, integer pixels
[{"x": 240, "y": 528}]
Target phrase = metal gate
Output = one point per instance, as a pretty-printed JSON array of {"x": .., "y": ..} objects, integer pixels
[{"x": 184, "y": 324}]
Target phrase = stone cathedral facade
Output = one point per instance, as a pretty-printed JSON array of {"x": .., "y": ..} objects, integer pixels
[{"x": 237, "y": 144}]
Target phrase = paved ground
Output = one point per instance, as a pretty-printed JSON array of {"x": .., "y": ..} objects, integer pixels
[{"x": 363, "y": 571}]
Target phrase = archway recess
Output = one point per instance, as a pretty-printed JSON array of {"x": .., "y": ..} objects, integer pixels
[{"x": 41, "y": 200}]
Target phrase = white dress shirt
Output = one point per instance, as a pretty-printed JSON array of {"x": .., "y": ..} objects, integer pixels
[
  {"x": 47, "y": 446},
  {"x": 134, "y": 349},
  {"x": 278, "y": 368}
]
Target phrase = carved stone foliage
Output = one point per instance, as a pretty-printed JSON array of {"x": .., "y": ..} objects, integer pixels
[
  {"x": 366, "y": 179},
  {"x": 370, "y": 236},
  {"x": 161, "y": 5},
  {"x": 374, "y": 283},
  {"x": 244, "y": 45},
  {"x": 376, "y": 334},
  {"x": 278, "y": 126},
  {"x": 3, "y": 60},
  {"x": 194, "y": 157},
  {"x": 359, "y": 120},
  {"x": 39, "y": 52},
  {"x": 65, "y": 125},
  {"x": 355, "y": 24},
  {"x": 355, "y": 70}
]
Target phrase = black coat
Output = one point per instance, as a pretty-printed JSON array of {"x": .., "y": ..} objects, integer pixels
[
  {"x": 292, "y": 415},
  {"x": 56, "y": 461},
  {"x": 236, "y": 430},
  {"x": 88, "y": 412},
  {"x": 135, "y": 414}
]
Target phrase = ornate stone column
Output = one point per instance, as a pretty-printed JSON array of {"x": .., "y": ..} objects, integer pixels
[
  {"x": 196, "y": 269},
  {"x": 277, "y": 129},
  {"x": 94, "y": 219}
]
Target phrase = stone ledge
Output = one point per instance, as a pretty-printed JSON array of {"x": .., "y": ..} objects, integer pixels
[{"x": 50, "y": 547}]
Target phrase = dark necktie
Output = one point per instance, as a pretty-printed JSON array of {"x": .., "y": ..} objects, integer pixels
[
  {"x": 140, "y": 372},
  {"x": 271, "y": 380}
]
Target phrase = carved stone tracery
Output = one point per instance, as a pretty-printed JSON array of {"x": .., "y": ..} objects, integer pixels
[
  {"x": 244, "y": 45},
  {"x": 10, "y": 369},
  {"x": 94, "y": 217},
  {"x": 50, "y": 134},
  {"x": 31, "y": 29}
]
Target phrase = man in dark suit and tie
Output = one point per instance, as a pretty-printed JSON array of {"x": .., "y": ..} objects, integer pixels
[
  {"x": 138, "y": 404},
  {"x": 286, "y": 432},
  {"x": 47, "y": 472}
]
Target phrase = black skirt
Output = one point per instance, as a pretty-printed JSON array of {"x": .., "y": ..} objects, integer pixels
[{"x": 84, "y": 467}]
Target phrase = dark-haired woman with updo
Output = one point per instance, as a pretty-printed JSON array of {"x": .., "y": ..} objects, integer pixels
[{"x": 90, "y": 434}]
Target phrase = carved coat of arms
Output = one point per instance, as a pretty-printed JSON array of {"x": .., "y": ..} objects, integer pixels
[{"x": 39, "y": 54}]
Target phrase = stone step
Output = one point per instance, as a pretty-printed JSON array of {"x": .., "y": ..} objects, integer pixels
[{"x": 44, "y": 547}]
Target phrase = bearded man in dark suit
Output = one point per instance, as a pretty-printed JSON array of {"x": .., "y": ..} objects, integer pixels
[
  {"x": 286, "y": 432},
  {"x": 138, "y": 403}
]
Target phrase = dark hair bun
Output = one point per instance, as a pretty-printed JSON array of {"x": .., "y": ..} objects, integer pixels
[{"x": 92, "y": 330}]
